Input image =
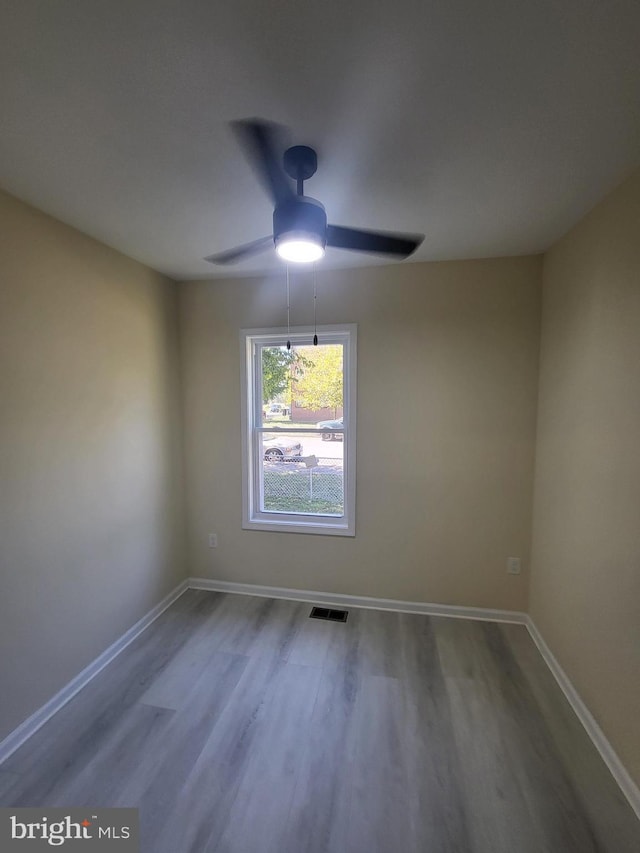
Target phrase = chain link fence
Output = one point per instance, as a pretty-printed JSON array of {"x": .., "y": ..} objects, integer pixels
[{"x": 289, "y": 486}]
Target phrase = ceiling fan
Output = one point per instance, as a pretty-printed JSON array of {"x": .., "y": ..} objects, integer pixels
[{"x": 300, "y": 229}]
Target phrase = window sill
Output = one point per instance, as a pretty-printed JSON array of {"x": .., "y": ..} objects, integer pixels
[{"x": 282, "y": 526}]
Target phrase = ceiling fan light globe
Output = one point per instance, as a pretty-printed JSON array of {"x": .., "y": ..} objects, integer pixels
[{"x": 299, "y": 248}]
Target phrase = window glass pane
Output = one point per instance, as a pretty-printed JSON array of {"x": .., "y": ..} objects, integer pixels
[
  {"x": 303, "y": 386},
  {"x": 302, "y": 473},
  {"x": 278, "y": 370}
]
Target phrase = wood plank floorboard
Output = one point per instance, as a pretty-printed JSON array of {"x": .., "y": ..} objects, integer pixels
[
  {"x": 236, "y": 724},
  {"x": 318, "y": 818},
  {"x": 613, "y": 822},
  {"x": 436, "y": 806},
  {"x": 162, "y": 773},
  {"x": 8, "y": 783},
  {"x": 508, "y": 753}
]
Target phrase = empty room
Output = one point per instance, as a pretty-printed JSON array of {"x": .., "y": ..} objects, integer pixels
[{"x": 319, "y": 426}]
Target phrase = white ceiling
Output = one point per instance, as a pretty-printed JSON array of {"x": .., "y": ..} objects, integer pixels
[{"x": 489, "y": 126}]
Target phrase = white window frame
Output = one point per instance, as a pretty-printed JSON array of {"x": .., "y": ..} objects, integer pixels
[{"x": 251, "y": 396}]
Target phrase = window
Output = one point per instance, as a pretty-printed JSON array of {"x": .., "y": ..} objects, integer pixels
[{"x": 298, "y": 430}]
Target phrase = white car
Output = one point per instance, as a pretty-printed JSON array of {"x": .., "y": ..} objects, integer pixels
[{"x": 278, "y": 449}]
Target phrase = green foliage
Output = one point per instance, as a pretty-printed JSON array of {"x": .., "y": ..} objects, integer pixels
[
  {"x": 276, "y": 371},
  {"x": 319, "y": 384},
  {"x": 279, "y": 367}
]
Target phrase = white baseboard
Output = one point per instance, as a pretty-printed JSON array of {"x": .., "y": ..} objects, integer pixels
[
  {"x": 31, "y": 725},
  {"x": 367, "y": 602},
  {"x": 600, "y": 741}
]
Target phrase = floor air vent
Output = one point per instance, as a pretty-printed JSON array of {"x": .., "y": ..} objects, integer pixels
[{"x": 329, "y": 615}]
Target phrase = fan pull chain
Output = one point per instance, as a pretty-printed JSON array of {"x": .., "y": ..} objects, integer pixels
[
  {"x": 315, "y": 297},
  {"x": 288, "y": 312}
]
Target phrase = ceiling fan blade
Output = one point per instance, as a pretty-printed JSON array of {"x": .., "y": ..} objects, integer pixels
[
  {"x": 241, "y": 253},
  {"x": 379, "y": 242},
  {"x": 263, "y": 145}
]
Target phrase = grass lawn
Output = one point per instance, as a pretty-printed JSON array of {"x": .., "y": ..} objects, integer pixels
[{"x": 280, "y": 503}]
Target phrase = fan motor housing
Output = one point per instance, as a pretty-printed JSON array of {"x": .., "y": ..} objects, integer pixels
[
  {"x": 303, "y": 215},
  {"x": 300, "y": 162}
]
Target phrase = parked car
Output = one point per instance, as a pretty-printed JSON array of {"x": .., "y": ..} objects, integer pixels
[
  {"x": 327, "y": 426},
  {"x": 278, "y": 449},
  {"x": 275, "y": 410}
]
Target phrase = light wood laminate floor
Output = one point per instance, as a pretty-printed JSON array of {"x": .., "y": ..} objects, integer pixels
[{"x": 238, "y": 724}]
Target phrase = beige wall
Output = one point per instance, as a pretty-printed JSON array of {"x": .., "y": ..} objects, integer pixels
[
  {"x": 447, "y": 377},
  {"x": 585, "y": 580},
  {"x": 91, "y": 522}
]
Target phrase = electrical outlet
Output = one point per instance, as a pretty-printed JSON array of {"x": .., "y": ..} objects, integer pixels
[
  {"x": 514, "y": 565},
  {"x": 213, "y": 540}
]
